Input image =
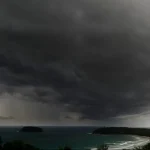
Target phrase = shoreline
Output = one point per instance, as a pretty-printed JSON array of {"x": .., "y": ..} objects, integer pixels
[
  {"x": 142, "y": 134},
  {"x": 141, "y": 141}
]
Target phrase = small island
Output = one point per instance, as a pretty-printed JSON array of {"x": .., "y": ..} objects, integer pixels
[
  {"x": 31, "y": 129},
  {"x": 123, "y": 130}
]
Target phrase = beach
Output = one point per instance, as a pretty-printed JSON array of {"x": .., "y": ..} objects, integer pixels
[{"x": 140, "y": 141}]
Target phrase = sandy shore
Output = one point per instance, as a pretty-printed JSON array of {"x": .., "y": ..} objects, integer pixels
[{"x": 141, "y": 141}]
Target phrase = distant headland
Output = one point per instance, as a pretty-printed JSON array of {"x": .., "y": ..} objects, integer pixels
[
  {"x": 123, "y": 130},
  {"x": 31, "y": 129}
]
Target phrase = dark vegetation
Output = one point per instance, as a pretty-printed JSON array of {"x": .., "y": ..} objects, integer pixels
[
  {"x": 31, "y": 129},
  {"x": 102, "y": 147},
  {"x": 123, "y": 130},
  {"x": 65, "y": 148},
  {"x": 16, "y": 145},
  {"x": 105, "y": 147}
]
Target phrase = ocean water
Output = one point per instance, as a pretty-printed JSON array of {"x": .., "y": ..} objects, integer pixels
[{"x": 75, "y": 137}]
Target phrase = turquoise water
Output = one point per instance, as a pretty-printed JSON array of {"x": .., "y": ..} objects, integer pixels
[{"x": 76, "y": 137}]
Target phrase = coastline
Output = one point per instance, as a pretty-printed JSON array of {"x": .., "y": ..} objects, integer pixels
[
  {"x": 141, "y": 141},
  {"x": 142, "y": 135}
]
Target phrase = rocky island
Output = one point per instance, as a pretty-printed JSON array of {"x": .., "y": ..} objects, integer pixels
[
  {"x": 123, "y": 130},
  {"x": 31, "y": 129}
]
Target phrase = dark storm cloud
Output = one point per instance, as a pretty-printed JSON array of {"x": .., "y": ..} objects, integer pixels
[{"x": 75, "y": 59}]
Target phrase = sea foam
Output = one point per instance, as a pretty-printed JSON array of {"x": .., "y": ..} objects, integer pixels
[{"x": 140, "y": 141}]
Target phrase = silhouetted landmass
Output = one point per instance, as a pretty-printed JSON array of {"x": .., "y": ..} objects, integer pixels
[
  {"x": 65, "y": 148},
  {"x": 102, "y": 147},
  {"x": 18, "y": 145},
  {"x": 31, "y": 129},
  {"x": 123, "y": 130}
]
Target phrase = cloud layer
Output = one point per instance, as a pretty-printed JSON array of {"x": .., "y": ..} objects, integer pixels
[{"x": 74, "y": 62}]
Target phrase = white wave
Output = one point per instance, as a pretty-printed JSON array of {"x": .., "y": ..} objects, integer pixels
[
  {"x": 89, "y": 133},
  {"x": 125, "y": 143},
  {"x": 140, "y": 141}
]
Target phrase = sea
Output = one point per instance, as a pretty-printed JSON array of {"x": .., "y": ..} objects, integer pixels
[{"x": 78, "y": 138}]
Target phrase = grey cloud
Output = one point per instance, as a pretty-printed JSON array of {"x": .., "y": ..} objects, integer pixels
[
  {"x": 6, "y": 118},
  {"x": 89, "y": 59}
]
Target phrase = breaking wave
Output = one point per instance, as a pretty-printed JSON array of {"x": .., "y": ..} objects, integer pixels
[{"x": 139, "y": 141}]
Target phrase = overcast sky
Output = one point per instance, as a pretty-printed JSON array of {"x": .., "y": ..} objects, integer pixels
[{"x": 75, "y": 62}]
